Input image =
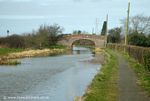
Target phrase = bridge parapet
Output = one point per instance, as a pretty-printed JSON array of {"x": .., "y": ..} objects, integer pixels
[
  {"x": 68, "y": 40},
  {"x": 84, "y": 36}
]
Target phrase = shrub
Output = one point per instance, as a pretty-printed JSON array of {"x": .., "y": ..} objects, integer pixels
[{"x": 147, "y": 60}]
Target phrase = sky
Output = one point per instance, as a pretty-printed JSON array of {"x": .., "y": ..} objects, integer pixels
[{"x": 23, "y": 16}]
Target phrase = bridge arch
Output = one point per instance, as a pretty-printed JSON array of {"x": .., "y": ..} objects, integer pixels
[{"x": 83, "y": 42}]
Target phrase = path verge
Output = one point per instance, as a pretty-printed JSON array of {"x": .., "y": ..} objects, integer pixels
[{"x": 104, "y": 85}]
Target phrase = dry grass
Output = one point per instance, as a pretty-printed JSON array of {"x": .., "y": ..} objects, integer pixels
[
  {"x": 7, "y": 59},
  {"x": 33, "y": 53}
]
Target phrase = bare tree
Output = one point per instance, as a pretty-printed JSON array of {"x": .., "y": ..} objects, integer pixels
[{"x": 138, "y": 23}]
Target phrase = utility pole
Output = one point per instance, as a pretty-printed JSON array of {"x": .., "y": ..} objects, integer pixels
[
  {"x": 127, "y": 25},
  {"x": 96, "y": 26}
]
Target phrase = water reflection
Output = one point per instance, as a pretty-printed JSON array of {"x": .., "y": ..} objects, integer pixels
[{"x": 80, "y": 50}]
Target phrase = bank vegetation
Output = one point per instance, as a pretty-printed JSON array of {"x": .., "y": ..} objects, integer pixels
[
  {"x": 42, "y": 42},
  {"x": 104, "y": 84}
]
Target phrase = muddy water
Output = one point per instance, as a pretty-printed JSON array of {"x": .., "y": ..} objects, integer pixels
[{"x": 58, "y": 78}]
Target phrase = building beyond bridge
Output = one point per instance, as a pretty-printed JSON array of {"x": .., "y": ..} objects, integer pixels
[{"x": 68, "y": 40}]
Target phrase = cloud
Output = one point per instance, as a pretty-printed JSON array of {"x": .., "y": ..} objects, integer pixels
[
  {"x": 21, "y": 0},
  {"x": 78, "y": 0},
  {"x": 21, "y": 17},
  {"x": 15, "y": 0},
  {"x": 29, "y": 17},
  {"x": 90, "y": 0},
  {"x": 44, "y": 4}
]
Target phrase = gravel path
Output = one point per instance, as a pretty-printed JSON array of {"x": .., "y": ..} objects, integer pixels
[{"x": 128, "y": 88}]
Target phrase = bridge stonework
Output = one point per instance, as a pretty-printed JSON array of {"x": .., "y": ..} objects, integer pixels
[{"x": 68, "y": 40}]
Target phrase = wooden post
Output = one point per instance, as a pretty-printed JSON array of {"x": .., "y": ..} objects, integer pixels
[{"x": 127, "y": 27}]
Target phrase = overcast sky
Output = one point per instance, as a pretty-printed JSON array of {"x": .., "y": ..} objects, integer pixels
[{"x": 21, "y": 16}]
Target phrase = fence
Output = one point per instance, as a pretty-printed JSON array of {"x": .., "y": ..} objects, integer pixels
[{"x": 141, "y": 54}]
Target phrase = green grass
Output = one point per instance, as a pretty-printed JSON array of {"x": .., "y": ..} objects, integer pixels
[
  {"x": 5, "y": 51},
  {"x": 104, "y": 86},
  {"x": 142, "y": 73},
  {"x": 57, "y": 47}
]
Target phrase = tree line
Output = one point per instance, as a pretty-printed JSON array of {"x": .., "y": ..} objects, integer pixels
[
  {"x": 139, "y": 31},
  {"x": 45, "y": 36}
]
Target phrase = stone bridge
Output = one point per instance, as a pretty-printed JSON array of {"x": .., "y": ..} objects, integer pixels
[{"x": 68, "y": 40}]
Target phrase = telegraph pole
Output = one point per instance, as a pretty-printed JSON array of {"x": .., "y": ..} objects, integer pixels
[
  {"x": 127, "y": 25},
  {"x": 96, "y": 26}
]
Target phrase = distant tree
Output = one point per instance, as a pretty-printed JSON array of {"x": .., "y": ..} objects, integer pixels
[
  {"x": 45, "y": 36},
  {"x": 148, "y": 40},
  {"x": 74, "y": 32},
  {"x": 103, "y": 32},
  {"x": 53, "y": 32},
  {"x": 13, "y": 41},
  {"x": 30, "y": 40},
  {"x": 41, "y": 37},
  {"x": 114, "y": 35},
  {"x": 60, "y": 36},
  {"x": 77, "y": 32},
  {"x": 138, "y": 39},
  {"x": 139, "y": 28},
  {"x": 7, "y": 32},
  {"x": 138, "y": 23}
]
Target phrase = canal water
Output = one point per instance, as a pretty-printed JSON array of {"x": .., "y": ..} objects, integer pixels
[{"x": 58, "y": 78}]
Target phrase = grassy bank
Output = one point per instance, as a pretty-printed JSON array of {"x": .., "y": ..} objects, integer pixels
[
  {"x": 9, "y": 62},
  {"x": 7, "y": 55},
  {"x": 104, "y": 85},
  {"x": 142, "y": 73},
  {"x": 6, "y": 51},
  {"x": 57, "y": 47},
  {"x": 36, "y": 53}
]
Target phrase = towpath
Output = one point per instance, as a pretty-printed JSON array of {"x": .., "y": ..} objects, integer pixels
[{"x": 128, "y": 88}]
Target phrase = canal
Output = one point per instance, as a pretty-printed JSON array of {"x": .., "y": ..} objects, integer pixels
[{"x": 57, "y": 78}]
